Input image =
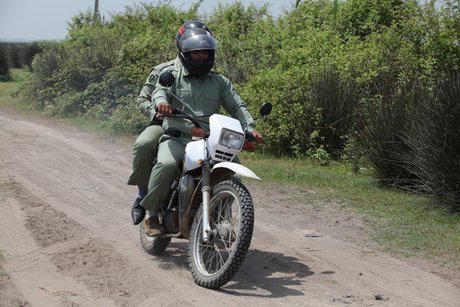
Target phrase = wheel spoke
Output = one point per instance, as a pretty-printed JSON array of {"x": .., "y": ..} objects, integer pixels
[
  {"x": 227, "y": 211},
  {"x": 214, "y": 256},
  {"x": 213, "y": 259}
]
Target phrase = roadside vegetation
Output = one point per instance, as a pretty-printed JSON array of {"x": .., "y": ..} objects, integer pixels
[
  {"x": 404, "y": 224},
  {"x": 366, "y": 98}
]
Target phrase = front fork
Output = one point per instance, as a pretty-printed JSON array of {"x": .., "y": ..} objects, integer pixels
[{"x": 206, "y": 191}]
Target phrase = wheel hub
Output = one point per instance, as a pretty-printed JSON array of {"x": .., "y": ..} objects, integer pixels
[{"x": 225, "y": 235}]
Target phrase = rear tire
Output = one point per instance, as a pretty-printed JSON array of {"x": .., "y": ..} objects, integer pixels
[
  {"x": 231, "y": 213},
  {"x": 153, "y": 245}
]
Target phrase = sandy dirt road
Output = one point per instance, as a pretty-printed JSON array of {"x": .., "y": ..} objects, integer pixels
[{"x": 67, "y": 240}]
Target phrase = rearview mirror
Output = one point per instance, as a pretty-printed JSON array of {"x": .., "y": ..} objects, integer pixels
[
  {"x": 266, "y": 109},
  {"x": 167, "y": 79}
]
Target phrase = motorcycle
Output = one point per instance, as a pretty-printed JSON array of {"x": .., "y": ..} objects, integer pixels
[{"x": 208, "y": 204}]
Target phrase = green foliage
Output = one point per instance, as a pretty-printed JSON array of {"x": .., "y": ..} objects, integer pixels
[
  {"x": 101, "y": 64},
  {"x": 149, "y": 34},
  {"x": 363, "y": 17},
  {"x": 247, "y": 39},
  {"x": 289, "y": 127},
  {"x": 15, "y": 55},
  {"x": 343, "y": 75},
  {"x": 20, "y": 55}
]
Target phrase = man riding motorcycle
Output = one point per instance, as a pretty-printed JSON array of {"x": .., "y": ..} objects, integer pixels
[
  {"x": 146, "y": 145},
  {"x": 202, "y": 92}
]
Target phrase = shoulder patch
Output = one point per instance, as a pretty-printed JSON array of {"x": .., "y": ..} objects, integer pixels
[
  {"x": 152, "y": 78},
  {"x": 155, "y": 71}
]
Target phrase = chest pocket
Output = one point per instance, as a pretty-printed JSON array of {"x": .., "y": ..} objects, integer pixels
[
  {"x": 183, "y": 94},
  {"x": 211, "y": 98}
]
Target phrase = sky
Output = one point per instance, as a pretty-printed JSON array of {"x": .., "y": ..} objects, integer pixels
[{"x": 29, "y": 20}]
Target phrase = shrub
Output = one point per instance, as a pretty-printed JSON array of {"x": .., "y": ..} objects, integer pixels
[
  {"x": 336, "y": 99},
  {"x": 43, "y": 86},
  {"x": 247, "y": 40},
  {"x": 379, "y": 129},
  {"x": 433, "y": 138}
]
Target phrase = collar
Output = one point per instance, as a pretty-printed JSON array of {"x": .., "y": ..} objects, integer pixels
[{"x": 185, "y": 73}]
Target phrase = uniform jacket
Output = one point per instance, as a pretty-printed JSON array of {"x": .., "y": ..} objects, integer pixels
[
  {"x": 144, "y": 100},
  {"x": 201, "y": 97}
]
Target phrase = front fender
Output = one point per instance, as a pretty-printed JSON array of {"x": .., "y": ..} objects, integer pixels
[{"x": 237, "y": 168}]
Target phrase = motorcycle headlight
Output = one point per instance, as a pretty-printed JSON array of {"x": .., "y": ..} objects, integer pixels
[{"x": 231, "y": 139}]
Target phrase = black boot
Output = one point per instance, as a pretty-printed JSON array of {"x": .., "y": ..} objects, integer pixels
[{"x": 137, "y": 212}]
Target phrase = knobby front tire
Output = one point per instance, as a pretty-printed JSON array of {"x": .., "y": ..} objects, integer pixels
[{"x": 231, "y": 215}]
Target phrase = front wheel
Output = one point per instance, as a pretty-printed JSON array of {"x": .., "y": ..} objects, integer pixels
[{"x": 231, "y": 215}]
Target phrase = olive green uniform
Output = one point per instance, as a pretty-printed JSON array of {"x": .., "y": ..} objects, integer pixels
[
  {"x": 146, "y": 146},
  {"x": 201, "y": 97}
]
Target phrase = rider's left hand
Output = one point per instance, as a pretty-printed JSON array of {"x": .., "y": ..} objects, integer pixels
[{"x": 258, "y": 136}]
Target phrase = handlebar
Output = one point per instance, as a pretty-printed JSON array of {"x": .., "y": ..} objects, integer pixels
[{"x": 178, "y": 113}]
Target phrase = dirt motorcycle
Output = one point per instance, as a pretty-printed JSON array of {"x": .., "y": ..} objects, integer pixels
[{"x": 208, "y": 204}]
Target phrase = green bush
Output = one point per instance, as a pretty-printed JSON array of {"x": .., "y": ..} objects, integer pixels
[
  {"x": 101, "y": 64},
  {"x": 247, "y": 40},
  {"x": 287, "y": 130},
  {"x": 364, "y": 17}
]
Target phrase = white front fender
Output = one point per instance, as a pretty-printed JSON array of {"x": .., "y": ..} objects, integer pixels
[{"x": 237, "y": 168}]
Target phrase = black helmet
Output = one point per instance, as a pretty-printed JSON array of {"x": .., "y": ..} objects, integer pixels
[
  {"x": 194, "y": 40},
  {"x": 191, "y": 24}
]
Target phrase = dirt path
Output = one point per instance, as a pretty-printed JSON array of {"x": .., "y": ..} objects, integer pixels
[{"x": 67, "y": 239}]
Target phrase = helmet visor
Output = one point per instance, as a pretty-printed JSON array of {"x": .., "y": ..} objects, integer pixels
[{"x": 198, "y": 42}]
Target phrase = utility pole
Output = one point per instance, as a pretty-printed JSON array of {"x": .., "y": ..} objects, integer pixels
[{"x": 96, "y": 16}]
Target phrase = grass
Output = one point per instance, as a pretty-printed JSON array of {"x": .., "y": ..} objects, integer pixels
[
  {"x": 8, "y": 89},
  {"x": 407, "y": 225}
]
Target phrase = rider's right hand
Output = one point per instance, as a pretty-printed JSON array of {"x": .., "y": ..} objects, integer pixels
[{"x": 164, "y": 108}]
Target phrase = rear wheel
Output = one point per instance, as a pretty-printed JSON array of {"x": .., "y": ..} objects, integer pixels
[
  {"x": 153, "y": 245},
  {"x": 231, "y": 215}
]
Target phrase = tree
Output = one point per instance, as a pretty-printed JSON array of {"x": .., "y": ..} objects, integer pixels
[
  {"x": 15, "y": 54},
  {"x": 30, "y": 50},
  {"x": 4, "y": 66}
]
